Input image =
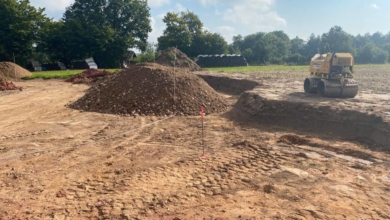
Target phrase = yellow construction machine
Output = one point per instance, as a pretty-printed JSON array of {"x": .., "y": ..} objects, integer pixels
[{"x": 331, "y": 76}]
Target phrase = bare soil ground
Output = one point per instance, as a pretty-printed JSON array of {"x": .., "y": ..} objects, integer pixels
[{"x": 60, "y": 163}]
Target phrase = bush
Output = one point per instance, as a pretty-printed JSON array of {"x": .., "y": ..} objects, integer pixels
[
  {"x": 296, "y": 59},
  {"x": 149, "y": 55}
]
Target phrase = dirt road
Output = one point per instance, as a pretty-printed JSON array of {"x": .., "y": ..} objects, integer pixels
[{"x": 60, "y": 163}]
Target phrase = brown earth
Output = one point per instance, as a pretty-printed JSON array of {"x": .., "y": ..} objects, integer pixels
[
  {"x": 89, "y": 76},
  {"x": 167, "y": 58},
  {"x": 13, "y": 71},
  {"x": 7, "y": 85},
  {"x": 61, "y": 163},
  {"x": 292, "y": 139},
  {"x": 147, "y": 89},
  {"x": 279, "y": 102}
]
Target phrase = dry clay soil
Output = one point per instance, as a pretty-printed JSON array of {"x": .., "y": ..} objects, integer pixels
[{"x": 60, "y": 163}]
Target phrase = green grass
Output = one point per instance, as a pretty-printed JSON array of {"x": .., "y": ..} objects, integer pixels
[
  {"x": 371, "y": 77},
  {"x": 244, "y": 69},
  {"x": 60, "y": 74},
  {"x": 387, "y": 65},
  {"x": 273, "y": 68}
]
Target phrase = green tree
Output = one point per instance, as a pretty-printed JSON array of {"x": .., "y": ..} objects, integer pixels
[
  {"x": 232, "y": 49},
  {"x": 52, "y": 43},
  {"x": 296, "y": 52},
  {"x": 185, "y": 30},
  {"x": 177, "y": 33},
  {"x": 312, "y": 47},
  {"x": 338, "y": 40},
  {"x": 370, "y": 53},
  {"x": 252, "y": 47},
  {"x": 378, "y": 39},
  {"x": 105, "y": 29},
  {"x": 194, "y": 25},
  {"x": 277, "y": 46},
  {"x": 235, "y": 47},
  {"x": 148, "y": 55},
  {"x": 297, "y": 45},
  {"x": 209, "y": 43},
  {"x": 360, "y": 41},
  {"x": 386, "y": 48},
  {"x": 296, "y": 59},
  {"x": 20, "y": 24}
]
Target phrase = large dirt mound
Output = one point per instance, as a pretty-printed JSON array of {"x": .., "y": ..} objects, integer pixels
[
  {"x": 7, "y": 85},
  {"x": 89, "y": 76},
  {"x": 12, "y": 70},
  {"x": 148, "y": 89},
  {"x": 167, "y": 58}
]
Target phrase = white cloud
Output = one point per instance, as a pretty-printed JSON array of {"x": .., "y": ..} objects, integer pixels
[
  {"x": 227, "y": 32},
  {"x": 374, "y": 6},
  {"x": 158, "y": 27},
  {"x": 158, "y": 3},
  {"x": 57, "y": 5},
  {"x": 179, "y": 7},
  {"x": 255, "y": 14},
  {"x": 51, "y": 5},
  {"x": 214, "y": 2},
  {"x": 161, "y": 16},
  {"x": 205, "y": 29}
]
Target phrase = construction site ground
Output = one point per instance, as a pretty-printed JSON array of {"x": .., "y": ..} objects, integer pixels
[{"x": 61, "y": 163}]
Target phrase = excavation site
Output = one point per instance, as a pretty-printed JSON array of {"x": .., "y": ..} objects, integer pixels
[{"x": 132, "y": 146}]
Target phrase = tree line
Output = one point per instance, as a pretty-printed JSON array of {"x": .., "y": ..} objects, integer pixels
[
  {"x": 103, "y": 29},
  {"x": 276, "y": 47},
  {"x": 107, "y": 29},
  {"x": 184, "y": 30}
]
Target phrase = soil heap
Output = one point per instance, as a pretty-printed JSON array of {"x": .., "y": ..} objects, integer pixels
[
  {"x": 12, "y": 70},
  {"x": 7, "y": 85},
  {"x": 148, "y": 89},
  {"x": 89, "y": 76},
  {"x": 167, "y": 58}
]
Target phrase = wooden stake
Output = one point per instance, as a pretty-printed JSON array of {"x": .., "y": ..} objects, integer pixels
[{"x": 202, "y": 116}]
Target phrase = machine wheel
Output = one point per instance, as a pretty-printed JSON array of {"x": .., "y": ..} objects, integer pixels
[
  {"x": 310, "y": 85},
  {"x": 351, "y": 88},
  {"x": 334, "y": 89}
]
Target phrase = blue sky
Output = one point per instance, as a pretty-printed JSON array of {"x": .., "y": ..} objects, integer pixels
[{"x": 295, "y": 17}]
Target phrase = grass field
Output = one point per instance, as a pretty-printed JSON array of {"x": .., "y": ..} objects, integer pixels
[
  {"x": 62, "y": 74},
  {"x": 245, "y": 69},
  {"x": 272, "y": 68},
  {"x": 371, "y": 77},
  {"x": 256, "y": 68}
]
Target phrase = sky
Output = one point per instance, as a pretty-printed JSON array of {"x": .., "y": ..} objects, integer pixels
[{"x": 295, "y": 17}]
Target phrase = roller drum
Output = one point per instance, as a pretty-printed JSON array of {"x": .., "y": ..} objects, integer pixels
[
  {"x": 334, "y": 88},
  {"x": 310, "y": 85}
]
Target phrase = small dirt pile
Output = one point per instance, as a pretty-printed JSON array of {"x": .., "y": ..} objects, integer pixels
[
  {"x": 167, "y": 58},
  {"x": 7, "y": 85},
  {"x": 148, "y": 89},
  {"x": 89, "y": 76},
  {"x": 12, "y": 70}
]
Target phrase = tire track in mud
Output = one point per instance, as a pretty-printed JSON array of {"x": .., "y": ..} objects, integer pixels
[
  {"x": 185, "y": 183},
  {"x": 136, "y": 133},
  {"x": 182, "y": 186},
  {"x": 116, "y": 147},
  {"x": 142, "y": 135}
]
